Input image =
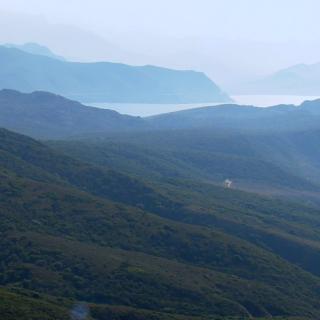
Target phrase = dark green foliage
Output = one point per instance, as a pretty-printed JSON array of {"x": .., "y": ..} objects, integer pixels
[
  {"x": 284, "y": 164},
  {"x": 32, "y": 306},
  {"x": 161, "y": 250}
]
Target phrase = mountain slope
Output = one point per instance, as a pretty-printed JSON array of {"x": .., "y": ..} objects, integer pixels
[
  {"x": 266, "y": 163},
  {"x": 30, "y": 306},
  {"x": 104, "y": 81},
  {"x": 42, "y": 114},
  {"x": 202, "y": 151},
  {"x": 45, "y": 115},
  {"x": 239, "y": 118},
  {"x": 267, "y": 222},
  {"x": 85, "y": 268},
  {"x": 59, "y": 239}
]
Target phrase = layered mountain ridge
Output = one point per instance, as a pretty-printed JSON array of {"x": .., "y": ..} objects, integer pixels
[
  {"x": 104, "y": 81},
  {"x": 129, "y": 217}
]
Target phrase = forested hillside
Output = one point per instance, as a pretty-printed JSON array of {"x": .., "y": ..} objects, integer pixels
[{"x": 66, "y": 238}]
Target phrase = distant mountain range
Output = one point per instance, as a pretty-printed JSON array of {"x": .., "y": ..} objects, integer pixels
[
  {"x": 243, "y": 118},
  {"x": 103, "y": 81},
  {"x": 300, "y": 79},
  {"x": 47, "y": 115},
  {"x": 35, "y": 48}
]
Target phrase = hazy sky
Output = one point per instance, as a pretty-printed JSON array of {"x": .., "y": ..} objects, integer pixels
[{"x": 230, "y": 40}]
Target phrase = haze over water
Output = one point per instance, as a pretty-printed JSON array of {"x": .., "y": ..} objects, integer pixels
[{"x": 144, "y": 109}]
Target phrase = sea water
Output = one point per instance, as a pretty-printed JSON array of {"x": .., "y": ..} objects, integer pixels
[{"x": 147, "y": 109}]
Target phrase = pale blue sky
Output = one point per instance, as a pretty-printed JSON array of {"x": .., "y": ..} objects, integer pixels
[{"x": 231, "y": 40}]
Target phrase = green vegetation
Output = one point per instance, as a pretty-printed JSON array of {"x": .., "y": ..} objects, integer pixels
[
  {"x": 30, "y": 306},
  {"x": 132, "y": 226},
  {"x": 80, "y": 232},
  {"x": 282, "y": 164}
]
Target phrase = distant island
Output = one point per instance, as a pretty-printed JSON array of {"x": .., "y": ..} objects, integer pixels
[
  {"x": 301, "y": 79},
  {"x": 102, "y": 81}
]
